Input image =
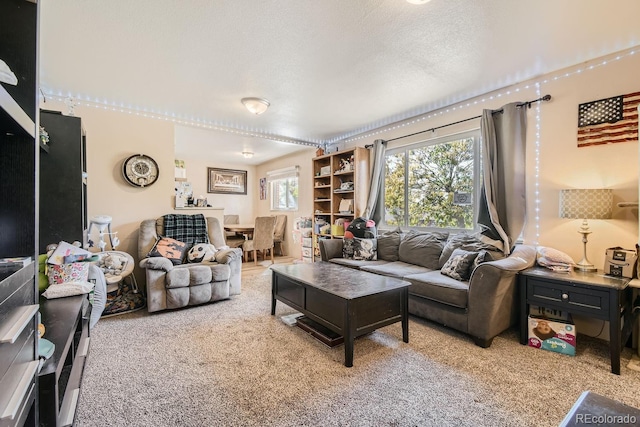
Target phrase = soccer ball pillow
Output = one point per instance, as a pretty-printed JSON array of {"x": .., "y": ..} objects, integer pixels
[{"x": 202, "y": 252}]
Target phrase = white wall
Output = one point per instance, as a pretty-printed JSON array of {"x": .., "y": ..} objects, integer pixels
[{"x": 197, "y": 148}]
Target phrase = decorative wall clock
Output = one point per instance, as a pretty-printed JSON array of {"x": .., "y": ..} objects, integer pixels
[{"x": 140, "y": 170}]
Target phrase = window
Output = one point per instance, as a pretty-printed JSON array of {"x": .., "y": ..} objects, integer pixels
[
  {"x": 283, "y": 185},
  {"x": 433, "y": 184}
]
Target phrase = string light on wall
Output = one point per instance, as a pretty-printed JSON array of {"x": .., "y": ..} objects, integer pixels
[
  {"x": 536, "y": 181},
  {"x": 463, "y": 105},
  {"x": 347, "y": 138},
  {"x": 171, "y": 117}
]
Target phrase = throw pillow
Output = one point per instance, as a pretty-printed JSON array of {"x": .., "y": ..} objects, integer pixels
[
  {"x": 364, "y": 249},
  {"x": 172, "y": 249},
  {"x": 67, "y": 289},
  {"x": 347, "y": 248},
  {"x": 68, "y": 279},
  {"x": 202, "y": 252},
  {"x": 483, "y": 256},
  {"x": 77, "y": 272},
  {"x": 388, "y": 244},
  {"x": 422, "y": 248},
  {"x": 468, "y": 242},
  {"x": 458, "y": 266},
  {"x": 554, "y": 255}
]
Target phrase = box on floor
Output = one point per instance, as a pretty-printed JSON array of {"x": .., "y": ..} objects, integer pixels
[{"x": 552, "y": 330}]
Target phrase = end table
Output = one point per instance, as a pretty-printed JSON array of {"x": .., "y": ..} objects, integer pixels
[{"x": 591, "y": 294}]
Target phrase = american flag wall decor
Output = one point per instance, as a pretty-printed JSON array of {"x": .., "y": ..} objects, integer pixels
[{"x": 608, "y": 121}]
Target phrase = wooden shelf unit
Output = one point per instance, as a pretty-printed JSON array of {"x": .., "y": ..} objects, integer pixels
[{"x": 329, "y": 173}]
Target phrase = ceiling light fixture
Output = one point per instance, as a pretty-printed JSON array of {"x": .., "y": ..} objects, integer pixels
[
  {"x": 256, "y": 105},
  {"x": 418, "y": 1},
  {"x": 247, "y": 154}
]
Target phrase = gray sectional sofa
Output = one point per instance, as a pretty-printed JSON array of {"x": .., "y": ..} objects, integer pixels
[{"x": 483, "y": 306}]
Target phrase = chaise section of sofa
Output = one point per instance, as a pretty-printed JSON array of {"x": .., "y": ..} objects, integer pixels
[{"x": 483, "y": 306}]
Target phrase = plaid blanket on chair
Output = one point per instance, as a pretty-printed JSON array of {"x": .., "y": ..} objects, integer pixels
[{"x": 189, "y": 229}]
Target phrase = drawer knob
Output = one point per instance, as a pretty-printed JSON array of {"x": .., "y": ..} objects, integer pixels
[{"x": 565, "y": 296}]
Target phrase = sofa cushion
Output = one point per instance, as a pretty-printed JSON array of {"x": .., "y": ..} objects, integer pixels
[
  {"x": 388, "y": 244},
  {"x": 468, "y": 242},
  {"x": 459, "y": 264},
  {"x": 172, "y": 249},
  {"x": 394, "y": 269},
  {"x": 422, "y": 248},
  {"x": 440, "y": 288}
]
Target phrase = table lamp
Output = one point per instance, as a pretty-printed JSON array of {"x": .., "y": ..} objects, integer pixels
[{"x": 586, "y": 204}]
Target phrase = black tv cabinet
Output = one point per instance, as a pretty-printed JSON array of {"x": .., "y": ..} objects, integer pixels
[{"x": 66, "y": 322}]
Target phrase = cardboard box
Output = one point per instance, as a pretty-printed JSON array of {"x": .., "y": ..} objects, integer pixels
[
  {"x": 346, "y": 206},
  {"x": 552, "y": 335},
  {"x": 620, "y": 262}
]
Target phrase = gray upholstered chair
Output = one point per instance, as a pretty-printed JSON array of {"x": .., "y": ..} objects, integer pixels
[
  {"x": 262, "y": 238},
  {"x": 278, "y": 234},
  {"x": 171, "y": 286}
]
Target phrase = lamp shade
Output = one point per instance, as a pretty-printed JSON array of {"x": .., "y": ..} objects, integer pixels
[{"x": 586, "y": 203}]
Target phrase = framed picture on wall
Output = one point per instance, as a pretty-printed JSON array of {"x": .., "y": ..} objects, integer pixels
[
  {"x": 226, "y": 181},
  {"x": 263, "y": 188}
]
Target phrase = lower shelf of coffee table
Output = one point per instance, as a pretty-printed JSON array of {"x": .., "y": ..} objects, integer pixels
[{"x": 318, "y": 331}]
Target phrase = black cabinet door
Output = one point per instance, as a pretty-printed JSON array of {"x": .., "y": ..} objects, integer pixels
[{"x": 62, "y": 192}]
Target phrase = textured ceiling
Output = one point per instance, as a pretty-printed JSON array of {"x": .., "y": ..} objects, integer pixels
[{"x": 330, "y": 68}]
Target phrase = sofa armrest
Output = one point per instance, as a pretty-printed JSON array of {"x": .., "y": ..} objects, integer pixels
[
  {"x": 493, "y": 293},
  {"x": 225, "y": 256},
  {"x": 330, "y": 248},
  {"x": 156, "y": 263}
]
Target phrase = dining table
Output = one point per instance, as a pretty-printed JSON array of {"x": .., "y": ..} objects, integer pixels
[{"x": 246, "y": 229}]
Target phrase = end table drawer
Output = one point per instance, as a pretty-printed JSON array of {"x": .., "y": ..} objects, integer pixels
[{"x": 577, "y": 300}]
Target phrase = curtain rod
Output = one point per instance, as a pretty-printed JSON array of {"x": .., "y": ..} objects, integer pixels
[{"x": 527, "y": 103}]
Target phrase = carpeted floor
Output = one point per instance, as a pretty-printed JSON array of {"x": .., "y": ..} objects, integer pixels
[{"x": 233, "y": 364}]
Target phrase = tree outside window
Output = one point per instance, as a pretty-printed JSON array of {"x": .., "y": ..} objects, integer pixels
[
  {"x": 432, "y": 186},
  {"x": 284, "y": 194}
]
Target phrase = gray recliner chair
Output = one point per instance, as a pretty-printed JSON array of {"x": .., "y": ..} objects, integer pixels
[{"x": 175, "y": 286}]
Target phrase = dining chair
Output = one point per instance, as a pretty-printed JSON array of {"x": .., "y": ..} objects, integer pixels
[
  {"x": 262, "y": 238},
  {"x": 232, "y": 238},
  {"x": 278, "y": 234}
]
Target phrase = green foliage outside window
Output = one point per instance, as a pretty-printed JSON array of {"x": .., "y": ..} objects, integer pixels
[{"x": 422, "y": 182}]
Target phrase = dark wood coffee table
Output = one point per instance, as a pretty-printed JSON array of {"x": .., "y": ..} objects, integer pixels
[{"x": 350, "y": 302}]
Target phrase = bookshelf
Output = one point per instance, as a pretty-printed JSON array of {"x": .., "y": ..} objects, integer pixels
[{"x": 340, "y": 191}]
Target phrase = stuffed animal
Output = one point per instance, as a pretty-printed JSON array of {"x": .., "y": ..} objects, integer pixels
[
  {"x": 113, "y": 263},
  {"x": 202, "y": 252}
]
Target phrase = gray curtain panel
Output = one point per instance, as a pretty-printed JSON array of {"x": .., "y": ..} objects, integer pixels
[
  {"x": 374, "y": 210},
  {"x": 502, "y": 202}
]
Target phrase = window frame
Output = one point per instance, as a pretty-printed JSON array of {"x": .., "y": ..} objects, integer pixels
[
  {"x": 477, "y": 181},
  {"x": 275, "y": 178}
]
